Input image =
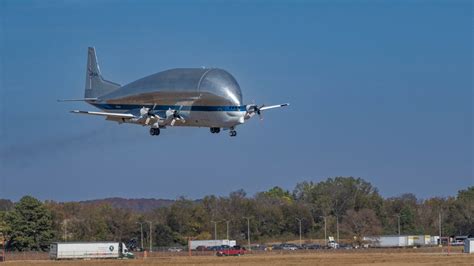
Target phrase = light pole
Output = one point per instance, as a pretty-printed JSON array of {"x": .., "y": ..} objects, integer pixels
[
  {"x": 299, "y": 221},
  {"x": 325, "y": 231},
  {"x": 248, "y": 232},
  {"x": 215, "y": 229},
  {"x": 337, "y": 228},
  {"x": 141, "y": 233},
  {"x": 150, "y": 236}
]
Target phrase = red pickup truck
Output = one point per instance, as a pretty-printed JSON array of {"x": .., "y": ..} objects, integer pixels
[{"x": 233, "y": 251}]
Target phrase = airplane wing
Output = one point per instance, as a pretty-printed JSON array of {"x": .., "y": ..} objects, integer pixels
[
  {"x": 253, "y": 109},
  {"x": 108, "y": 115},
  {"x": 273, "y": 106}
]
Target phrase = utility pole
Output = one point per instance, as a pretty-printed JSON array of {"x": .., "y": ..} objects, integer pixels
[
  {"x": 325, "y": 231},
  {"x": 215, "y": 229},
  {"x": 248, "y": 233},
  {"x": 439, "y": 224},
  {"x": 3, "y": 237},
  {"x": 141, "y": 234},
  {"x": 150, "y": 236},
  {"x": 3, "y": 252},
  {"x": 227, "y": 222},
  {"x": 299, "y": 221},
  {"x": 398, "y": 216},
  {"x": 337, "y": 228}
]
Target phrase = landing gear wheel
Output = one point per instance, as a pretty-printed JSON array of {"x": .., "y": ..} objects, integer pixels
[
  {"x": 154, "y": 131},
  {"x": 215, "y": 129},
  {"x": 233, "y": 133}
]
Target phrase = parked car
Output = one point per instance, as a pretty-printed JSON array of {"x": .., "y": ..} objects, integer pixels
[
  {"x": 221, "y": 247},
  {"x": 276, "y": 247},
  {"x": 289, "y": 246},
  {"x": 313, "y": 246},
  {"x": 234, "y": 251},
  {"x": 345, "y": 246},
  {"x": 175, "y": 249},
  {"x": 201, "y": 248},
  {"x": 457, "y": 243},
  {"x": 259, "y": 247}
]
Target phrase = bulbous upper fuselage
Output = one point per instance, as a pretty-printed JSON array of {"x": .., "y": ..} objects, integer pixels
[{"x": 201, "y": 86}]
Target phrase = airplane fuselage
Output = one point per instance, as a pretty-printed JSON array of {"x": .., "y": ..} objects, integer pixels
[
  {"x": 218, "y": 116},
  {"x": 203, "y": 97}
]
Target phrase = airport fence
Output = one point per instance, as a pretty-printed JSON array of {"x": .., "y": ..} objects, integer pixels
[
  {"x": 26, "y": 255},
  {"x": 165, "y": 252}
]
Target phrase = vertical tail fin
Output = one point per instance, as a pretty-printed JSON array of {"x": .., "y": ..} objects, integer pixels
[{"x": 96, "y": 86}]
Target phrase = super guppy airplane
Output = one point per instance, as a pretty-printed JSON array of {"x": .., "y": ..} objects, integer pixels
[{"x": 192, "y": 97}]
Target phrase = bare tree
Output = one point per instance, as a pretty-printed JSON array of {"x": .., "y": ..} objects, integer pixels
[{"x": 361, "y": 223}]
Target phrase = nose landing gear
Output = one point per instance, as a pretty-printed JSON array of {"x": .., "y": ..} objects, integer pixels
[{"x": 232, "y": 133}]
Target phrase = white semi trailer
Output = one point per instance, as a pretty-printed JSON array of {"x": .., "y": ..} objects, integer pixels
[
  {"x": 210, "y": 243},
  {"x": 388, "y": 241},
  {"x": 89, "y": 250},
  {"x": 398, "y": 241}
]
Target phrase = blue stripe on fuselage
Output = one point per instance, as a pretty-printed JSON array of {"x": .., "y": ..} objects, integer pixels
[{"x": 106, "y": 106}]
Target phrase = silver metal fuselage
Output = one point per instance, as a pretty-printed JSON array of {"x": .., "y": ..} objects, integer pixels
[{"x": 204, "y": 97}]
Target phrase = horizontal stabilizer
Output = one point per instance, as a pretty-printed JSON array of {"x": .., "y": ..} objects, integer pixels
[
  {"x": 119, "y": 115},
  {"x": 78, "y": 100}
]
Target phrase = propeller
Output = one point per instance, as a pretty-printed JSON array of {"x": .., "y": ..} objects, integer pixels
[
  {"x": 175, "y": 116},
  {"x": 253, "y": 109},
  {"x": 148, "y": 113}
]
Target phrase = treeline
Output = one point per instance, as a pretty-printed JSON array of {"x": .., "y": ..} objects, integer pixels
[{"x": 350, "y": 206}]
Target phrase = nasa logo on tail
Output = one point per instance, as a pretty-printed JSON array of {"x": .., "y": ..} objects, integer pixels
[{"x": 92, "y": 73}]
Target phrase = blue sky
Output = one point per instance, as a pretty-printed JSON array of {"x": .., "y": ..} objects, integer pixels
[{"x": 378, "y": 90}]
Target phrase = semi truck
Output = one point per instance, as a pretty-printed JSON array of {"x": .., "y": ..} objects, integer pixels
[
  {"x": 332, "y": 243},
  {"x": 89, "y": 250}
]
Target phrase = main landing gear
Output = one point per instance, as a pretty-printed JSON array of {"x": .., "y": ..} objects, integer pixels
[
  {"x": 154, "y": 131},
  {"x": 232, "y": 132},
  {"x": 215, "y": 130}
]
